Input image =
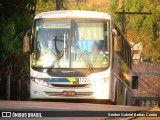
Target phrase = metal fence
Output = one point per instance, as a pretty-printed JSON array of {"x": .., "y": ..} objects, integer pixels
[{"x": 146, "y": 101}]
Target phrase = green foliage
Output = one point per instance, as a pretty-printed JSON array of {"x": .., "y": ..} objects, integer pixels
[
  {"x": 15, "y": 21},
  {"x": 8, "y": 36},
  {"x": 140, "y": 26},
  {"x": 45, "y": 5}
]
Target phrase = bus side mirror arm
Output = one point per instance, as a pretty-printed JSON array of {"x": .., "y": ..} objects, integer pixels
[
  {"x": 114, "y": 32},
  {"x": 26, "y": 42},
  {"x": 115, "y": 40}
]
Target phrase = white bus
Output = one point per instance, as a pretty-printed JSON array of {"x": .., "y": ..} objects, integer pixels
[{"x": 78, "y": 55}]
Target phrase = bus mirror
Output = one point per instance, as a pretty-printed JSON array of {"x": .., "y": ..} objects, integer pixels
[
  {"x": 114, "y": 32},
  {"x": 26, "y": 39},
  {"x": 26, "y": 44},
  {"x": 134, "y": 82},
  {"x": 115, "y": 40}
]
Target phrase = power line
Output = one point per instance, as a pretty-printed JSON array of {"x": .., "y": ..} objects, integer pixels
[
  {"x": 144, "y": 80},
  {"x": 146, "y": 83},
  {"x": 140, "y": 84},
  {"x": 124, "y": 18},
  {"x": 147, "y": 90},
  {"x": 85, "y": 1},
  {"x": 133, "y": 12},
  {"x": 142, "y": 39}
]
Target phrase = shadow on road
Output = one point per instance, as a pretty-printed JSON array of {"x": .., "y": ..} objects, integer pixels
[{"x": 76, "y": 101}]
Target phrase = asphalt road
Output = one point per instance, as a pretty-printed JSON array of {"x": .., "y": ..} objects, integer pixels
[
  {"x": 63, "y": 108},
  {"x": 43, "y": 105}
]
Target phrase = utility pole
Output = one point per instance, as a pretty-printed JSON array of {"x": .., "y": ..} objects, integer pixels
[
  {"x": 123, "y": 19},
  {"x": 58, "y": 4},
  {"x": 123, "y": 16}
]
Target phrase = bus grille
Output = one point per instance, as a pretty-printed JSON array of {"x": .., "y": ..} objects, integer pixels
[{"x": 61, "y": 94}]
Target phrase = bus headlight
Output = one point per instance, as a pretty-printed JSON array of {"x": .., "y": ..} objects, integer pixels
[
  {"x": 99, "y": 82},
  {"x": 41, "y": 82},
  {"x": 101, "y": 88}
]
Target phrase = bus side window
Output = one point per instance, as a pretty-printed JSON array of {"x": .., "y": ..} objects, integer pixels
[{"x": 134, "y": 82}]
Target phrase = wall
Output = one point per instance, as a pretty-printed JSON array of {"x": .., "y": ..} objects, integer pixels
[{"x": 148, "y": 82}]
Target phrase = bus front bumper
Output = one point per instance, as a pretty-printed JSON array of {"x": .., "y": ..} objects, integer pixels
[{"x": 100, "y": 91}]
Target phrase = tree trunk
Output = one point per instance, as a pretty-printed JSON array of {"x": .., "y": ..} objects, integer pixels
[{"x": 8, "y": 87}]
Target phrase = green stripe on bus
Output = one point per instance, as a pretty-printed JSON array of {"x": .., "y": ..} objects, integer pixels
[{"x": 73, "y": 80}]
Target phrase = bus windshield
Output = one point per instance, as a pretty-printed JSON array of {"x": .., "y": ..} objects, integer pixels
[{"x": 71, "y": 44}]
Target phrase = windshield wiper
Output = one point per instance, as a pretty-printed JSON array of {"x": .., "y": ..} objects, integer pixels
[
  {"x": 88, "y": 60},
  {"x": 59, "y": 54},
  {"x": 55, "y": 61},
  {"x": 85, "y": 60}
]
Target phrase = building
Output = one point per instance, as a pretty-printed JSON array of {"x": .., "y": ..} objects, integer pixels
[{"x": 148, "y": 92}]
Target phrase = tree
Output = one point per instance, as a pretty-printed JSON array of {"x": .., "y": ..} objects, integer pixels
[
  {"x": 141, "y": 27},
  {"x": 15, "y": 20}
]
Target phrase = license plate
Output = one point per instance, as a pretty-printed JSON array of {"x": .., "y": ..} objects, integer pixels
[{"x": 69, "y": 93}]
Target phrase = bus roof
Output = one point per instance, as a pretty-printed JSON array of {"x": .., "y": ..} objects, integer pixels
[{"x": 73, "y": 14}]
